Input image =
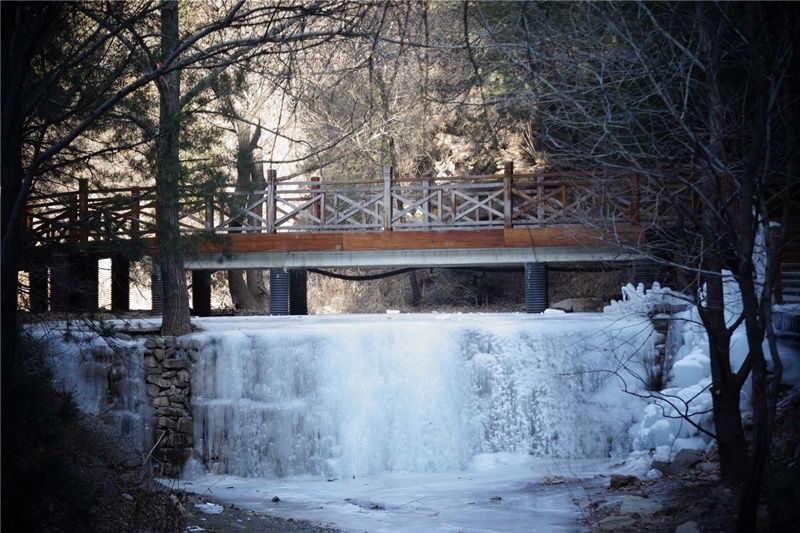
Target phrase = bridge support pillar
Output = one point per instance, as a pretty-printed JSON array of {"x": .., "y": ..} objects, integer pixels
[
  {"x": 86, "y": 273},
  {"x": 298, "y": 291},
  {"x": 535, "y": 287},
  {"x": 156, "y": 289},
  {"x": 59, "y": 283},
  {"x": 74, "y": 282},
  {"x": 120, "y": 283},
  {"x": 201, "y": 292},
  {"x": 37, "y": 277},
  {"x": 644, "y": 272},
  {"x": 278, "y": 291}
]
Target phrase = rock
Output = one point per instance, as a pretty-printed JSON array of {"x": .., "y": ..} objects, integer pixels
[
  {"x": 180, "y": 440},
  {"x": 178, "y": 398},
  {"x": 169, "y": 374},
  {"x": 579, "y": 305},
  {"x": 688, "y": 527},
  {"x": 185, "y": 424},
  {"x": 169, "y": 342},
  {"x": 684, "y": 461},
  {"x": 275, "y": 499},
  {"x": 178, "y": 504},
  {"x": 149, "y": 344},
  {"x": 175, "y": 363},
  {"x": 183, "y": 376},
  {"x": 614, "y": 523},
  {"x": 495, "y": 498},
  {"x": 165, "y": 422},
  {"x": 160, "y": 401},
  {"x": 159, "y": 353},
  {"x": 158, "y": 380},
  {"x": 638, "y": 505},
  {"x": 173, "y": 412},
  {"x": 127, "y": 496},
  {"x": 195, "y": 344},
  {"x": 661, "y": 466},
  {"x": 618, "y": 481},
  {"x": 153, "y": 390}
]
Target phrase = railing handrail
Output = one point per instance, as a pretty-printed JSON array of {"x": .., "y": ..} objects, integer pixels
[{"x": 502, "y": 200}]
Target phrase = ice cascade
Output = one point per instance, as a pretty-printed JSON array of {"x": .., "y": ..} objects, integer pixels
[{"x": 353, "y": 396}]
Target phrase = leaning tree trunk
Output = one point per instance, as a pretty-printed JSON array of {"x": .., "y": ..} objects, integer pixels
[
  {"x": 248, "y": 287},
  {"x": 175, "y": 320},
  {"x": 726, "y": 386}
]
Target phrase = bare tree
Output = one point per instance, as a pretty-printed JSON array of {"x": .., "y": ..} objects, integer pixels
[{"x": 697, "y": 102}]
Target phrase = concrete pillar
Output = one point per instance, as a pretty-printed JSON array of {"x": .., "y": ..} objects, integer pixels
[
  {"x": 535, "y": 287},
  {"x": 156, "y": 289},
  {"x": 201, "y": 292},
  {"x": 74, "y": 283},
  {"x": 278, "y": 291},
  {"x": 644, "y": 272},
  {"x": 298, "y": 291},
  {"x": 59, "y": 283},
  {"x": 37, "y": 277},
  {"x": 120, "y": 283},
  {"x": 86, "y": 289}
]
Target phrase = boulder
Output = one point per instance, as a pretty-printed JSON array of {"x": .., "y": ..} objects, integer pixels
[
  {"x": 614, "y": 523},
  {"x": 619, "y": 481},
  {"x": 684, "y": 461},
  {"x": 688, "y": 527},
  {"x": 638, "y": 505}
]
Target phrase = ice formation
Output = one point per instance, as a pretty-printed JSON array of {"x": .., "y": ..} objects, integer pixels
[{"x": 350, "y": 396}]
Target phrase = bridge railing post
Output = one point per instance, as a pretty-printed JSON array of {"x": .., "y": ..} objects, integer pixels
[
  {"x": 83, "y": 209},
  {"x": 136, "y": 211},
  {"x": 508, "y": 185},
  {"x": 317, "y": 208},
  {"x": 209, "y": 214},
  {"x": 427, "y": 195},
  {"x": 387, "y": 198},
  {"x": 272, "y": 200},
  {"x": 540, "y": 200}
]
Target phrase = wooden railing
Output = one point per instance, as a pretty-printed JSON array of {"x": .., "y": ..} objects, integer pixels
[{"x": 389, "y": 204}]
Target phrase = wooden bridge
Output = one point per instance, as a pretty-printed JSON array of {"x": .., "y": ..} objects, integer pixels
[{"x": 507, "y": 219}]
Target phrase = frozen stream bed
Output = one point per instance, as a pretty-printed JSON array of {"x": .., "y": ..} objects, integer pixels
[{"x": 496, "y": 493}]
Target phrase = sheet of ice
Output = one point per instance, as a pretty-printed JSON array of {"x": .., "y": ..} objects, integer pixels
[
  {"x": 500, "y": 492},
  {"x": 362, "y": 395},
  {"x": 104, "y": 373}
]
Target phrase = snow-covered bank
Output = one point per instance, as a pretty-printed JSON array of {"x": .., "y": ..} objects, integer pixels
[{"x": 663, "y": 430}]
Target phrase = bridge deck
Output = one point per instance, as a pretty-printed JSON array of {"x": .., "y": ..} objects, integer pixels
[{"x": 413, "y": 248}]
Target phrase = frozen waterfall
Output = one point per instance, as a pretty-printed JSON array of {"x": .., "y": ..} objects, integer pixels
[{"x": 357, "y": 395}]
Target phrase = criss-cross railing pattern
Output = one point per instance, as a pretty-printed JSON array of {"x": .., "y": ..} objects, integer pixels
[{"x": 468, "y": 202}]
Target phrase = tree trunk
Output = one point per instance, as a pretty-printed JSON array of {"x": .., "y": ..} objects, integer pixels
[
  {"x": 175, "y": 320},
  {"x": 11, "y": 179},
  {"x": 248, "y": 288},
  {"x": 725, "y": 393}
]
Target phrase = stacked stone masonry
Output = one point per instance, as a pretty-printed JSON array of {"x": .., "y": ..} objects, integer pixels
[{"x": 168, "y": 380}]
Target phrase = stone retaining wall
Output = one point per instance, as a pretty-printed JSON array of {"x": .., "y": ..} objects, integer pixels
[{"x": 168, "y": 381}]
